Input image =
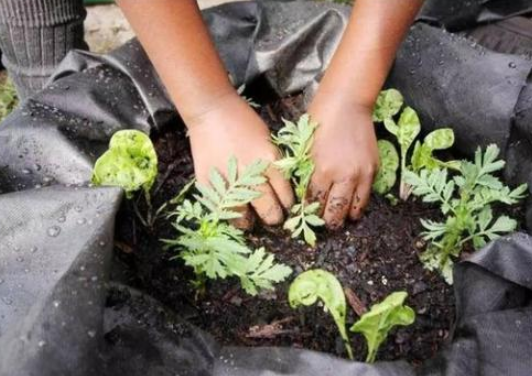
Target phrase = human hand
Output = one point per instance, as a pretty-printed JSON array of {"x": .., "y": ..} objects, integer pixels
[
  {"x": 346, "y": 159},
  {"x": 231, "y": 128}
]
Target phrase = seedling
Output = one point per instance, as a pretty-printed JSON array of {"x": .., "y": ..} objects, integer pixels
[
  {"x": 130, "y": 163},
  {"x": 387, "y": 175},
  {"x": 466, "y": 200},
  {"x": 406, "y": 131},
  {"x": 314, "y": 285},
  {"x": 388, "y": 105},
  {"x": 376, "y": 324},
  {"x": 215, "y": 248},
  {"x": 423, "y": 158},
  {"x": 295, "y": 142}
]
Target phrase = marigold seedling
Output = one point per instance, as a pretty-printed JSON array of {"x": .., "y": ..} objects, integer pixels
[
  {"x": 314, "y": 285},
  {"x": 295, "y": 142},
  {"x": 376, "y": 324},
  {"x": 466, "y": 200},
  {"x": 215, "y": 248}
]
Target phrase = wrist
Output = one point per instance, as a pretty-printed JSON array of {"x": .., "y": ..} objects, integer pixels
[
  {"x": 340, "y": 102},
  {"x": 217, "y": 101}
]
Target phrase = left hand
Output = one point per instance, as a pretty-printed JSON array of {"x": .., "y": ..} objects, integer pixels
[{"x": 346, "y": 159}]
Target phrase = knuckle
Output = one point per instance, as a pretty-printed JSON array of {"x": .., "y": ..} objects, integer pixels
[
  {"x": 325, "y": 169},
  {"x": 271, "y": 155},
  {"x": 371, "y": 172},
  {"x": 272, "y": 215}
]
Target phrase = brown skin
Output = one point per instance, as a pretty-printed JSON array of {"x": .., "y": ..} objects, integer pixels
[
  {"x": 222, "y": 125},
  {"x": 345, "y": 152}
]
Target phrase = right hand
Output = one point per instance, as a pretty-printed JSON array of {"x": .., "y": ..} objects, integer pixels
[{"x": 231, "y": 128}]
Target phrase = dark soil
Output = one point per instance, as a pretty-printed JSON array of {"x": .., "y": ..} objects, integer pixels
[{"x": 372, "y": 258}]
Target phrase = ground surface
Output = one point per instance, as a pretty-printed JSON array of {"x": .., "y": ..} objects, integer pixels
[
  {"x": 372, "y": 258},
  {"x": 106, "y": 27}
]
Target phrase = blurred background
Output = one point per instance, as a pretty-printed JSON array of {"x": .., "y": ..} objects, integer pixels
[{"x": 106, "y": 28}]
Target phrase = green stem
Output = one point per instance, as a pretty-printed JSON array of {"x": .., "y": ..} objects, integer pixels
[
  {"x": 372, "y": 355},
  {"x": 149, "y": 213},
  {"x": 403, "y": 191},
  {"x": 348, "y": 349},
  {"x": 139, "y": 216}
]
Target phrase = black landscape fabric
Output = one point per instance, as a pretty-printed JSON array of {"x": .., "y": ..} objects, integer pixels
[{"x": 60, "y": 314}]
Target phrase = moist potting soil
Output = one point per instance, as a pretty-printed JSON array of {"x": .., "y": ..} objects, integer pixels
[{"x": 372, "y": 258}]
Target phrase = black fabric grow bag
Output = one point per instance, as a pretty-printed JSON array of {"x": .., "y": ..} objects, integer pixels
[{"x": 57, "y": 234}]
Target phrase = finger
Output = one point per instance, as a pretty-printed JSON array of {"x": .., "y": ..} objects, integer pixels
[
  {"x": 267, "y": 206},
  {"x": 339, "y": 203},
  {"x": 360, "y": 199},
  {"x": 318, "y": 191},
  {"x": 281, "y": 187},
  {"x": 247, "y": 219}
]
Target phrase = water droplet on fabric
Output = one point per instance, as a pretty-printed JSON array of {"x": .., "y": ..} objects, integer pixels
[
  {"x": 54, "y": 231},
  {"x": 7, "y": 301}
]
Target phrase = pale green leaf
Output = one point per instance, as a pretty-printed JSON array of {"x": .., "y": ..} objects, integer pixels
[
  {"x": 314, "y": 285},
  {"x": 409, "y": 127},
  {"x": 388, "y": 104},
  {"x": 376, "y": 324},
  {"x": 130, "y": 163},
  {"x": 389, "y": 164},
  {"x": 440, "y": 139}
]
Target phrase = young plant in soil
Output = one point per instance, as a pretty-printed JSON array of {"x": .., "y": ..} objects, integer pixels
[
  {"x": 423, "y": 155},
  {"x": 406, "y": 130},
  {"x": 211, "y": 245},
  {"x": 295, "y": 142},
  {"x": 389, "y": 164},
  {"x": 130, "y": 163},
  {"x": 388, "y": 104},
  {"x": 466, "y": 200},
  {"x": 314, "y": 285},
  {"x": 375, "y": 325}
]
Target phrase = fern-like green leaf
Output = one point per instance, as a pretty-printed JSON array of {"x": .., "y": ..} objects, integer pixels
[
  {"x": 295, "y": 142},
  {"x": 213, "y": 247}
]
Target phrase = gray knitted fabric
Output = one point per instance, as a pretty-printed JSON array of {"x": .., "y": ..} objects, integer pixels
[{"x": 35, "y": 35}]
